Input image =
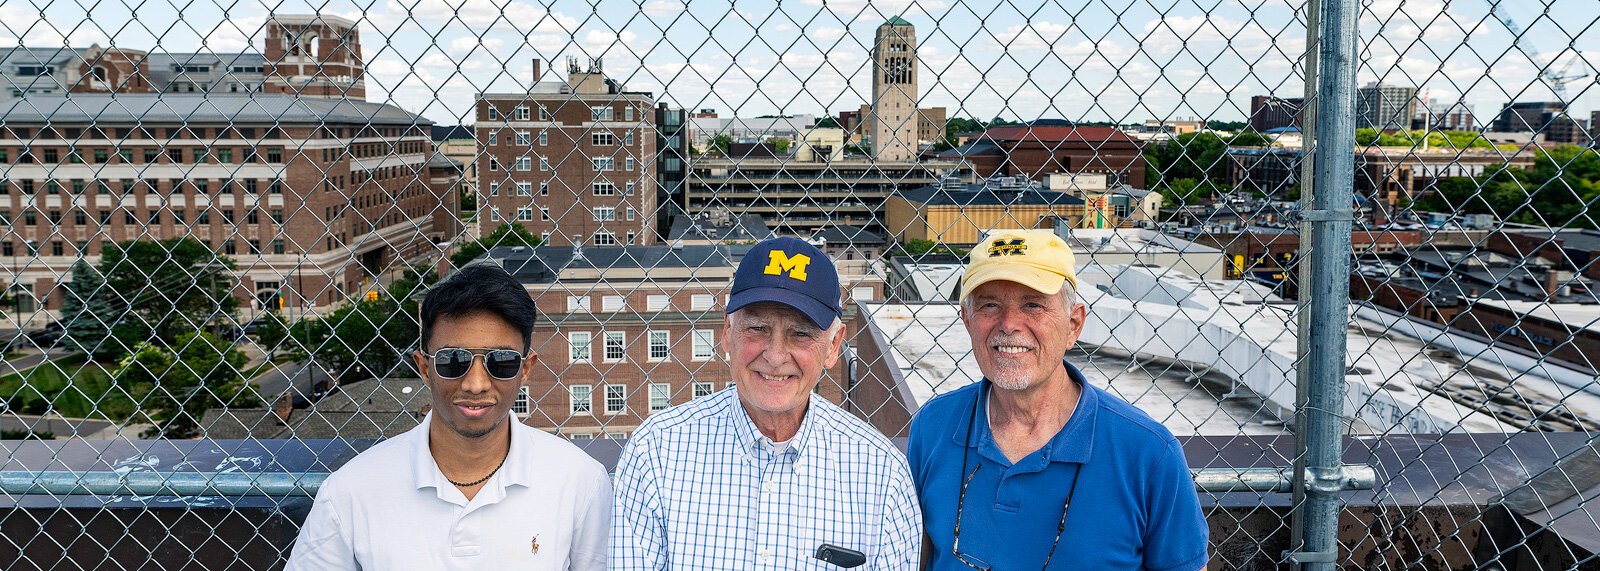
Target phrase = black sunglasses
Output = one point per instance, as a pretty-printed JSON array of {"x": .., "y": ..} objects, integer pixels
[{"x": 454, "y": 362}]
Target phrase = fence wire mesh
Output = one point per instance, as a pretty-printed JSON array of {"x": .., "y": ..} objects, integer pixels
[{"x": 217, "y": 221}]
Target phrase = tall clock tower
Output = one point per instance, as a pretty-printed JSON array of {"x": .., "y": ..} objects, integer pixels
[{"x": 894, "y": 91}]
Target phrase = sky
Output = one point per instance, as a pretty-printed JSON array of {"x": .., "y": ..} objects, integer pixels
[{"x": 1116, "y": 60}]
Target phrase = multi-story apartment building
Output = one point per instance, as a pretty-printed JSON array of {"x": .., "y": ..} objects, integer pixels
[
  {"x": 1385, "y": 107},
  {"x": 1041, "y": 149},
  {"x": 799, "y": 198},
  {"x": 1268, "y": 112},
  {"x": 312, "y": 196},
  {"x": 572, "y": 161},
  {"x": 672, "y": 163},
  {"x": 625, "y": 332},
  {"x": 305, "y": 55}
]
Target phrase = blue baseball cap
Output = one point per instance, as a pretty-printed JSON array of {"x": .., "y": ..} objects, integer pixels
[{"x": 792, "y": 272}]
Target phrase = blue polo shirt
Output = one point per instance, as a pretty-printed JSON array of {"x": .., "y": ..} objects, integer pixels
[{"x": 1135, "y": 505}]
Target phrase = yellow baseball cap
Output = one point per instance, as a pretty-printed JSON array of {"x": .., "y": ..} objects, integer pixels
[{"x": 1038, "y": 259}]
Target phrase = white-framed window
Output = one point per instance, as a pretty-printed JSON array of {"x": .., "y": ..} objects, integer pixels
[
  {"x": 580, "y": 345},
  {"x": 605, "y": 239},
  {"x": 494, "y": 163},
  {"x": 544, "y": 136},
  {"x": 519, "y": 407},
  {"x": 630, "y": 188},
  {"x": 605, "y": 214},
  {"x": 604, "y": 163},
  {"x": 616, "y": 346},
  {"x": 703, "y": 389},
  {"x": 627, "y": 164},
  {"x": 616, "y": 399},
  {"x": 544, "y": 163},
  {"x": 544, "y": 115},
  {"x": 544, "y": 187},
  {"x": 524, "y": 163},
  {"x": 525, "y": 214},
  {"x": 600, "y": 113},
  {"x": 660, "y": 345},
  {"x": 627, "y": 113},
  {"x": 705, "y": 344},
  {"x": 861, "y": 294},
  {"x": 617, "y": 435},
  {"x": 630, "y": 238},
  {"x": 630, "y": 213},
  {"x": 657, "y": 302},
  {"x": 494, "y": 135},
  {"x": 494, "y": 213},
  {"x": 494, "y": 189},
  {"x": 604, "y": 188},
  {"x": 522, "y": 113},
  {"x": 544, "y": 237},
  {"x": 524, "y": 188},
  {"x": 524, "y": 138},
  {"x": 582, "y": 402},
  {"x": 613, "y": 303},
  {"x": 603, "y": 138},
  {"x": 660, "y": 396},
  {"x": 493, "y": 114},
  {"x": 702, "y": 302},
  {"x": 577, "y": 304},
  {"x": 544, "y": 216},
  {"x": 627, "y": 138}
]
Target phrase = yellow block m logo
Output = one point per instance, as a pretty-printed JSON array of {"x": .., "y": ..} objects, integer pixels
[{"x": 780, "y": 262}]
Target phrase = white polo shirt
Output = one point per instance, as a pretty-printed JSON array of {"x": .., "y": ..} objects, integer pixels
[{"x": 390, "y": 508}]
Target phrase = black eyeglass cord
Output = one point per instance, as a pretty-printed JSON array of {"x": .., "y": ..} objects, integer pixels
[{"x": 961, "y": 499}]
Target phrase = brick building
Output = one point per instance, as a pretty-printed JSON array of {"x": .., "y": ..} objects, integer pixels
[
  {"x": 569, "y": 159},
  {"x": 1035, "y": 151},
  {"x": 305, "y": 55},
  {"x": 311, "y": 196},
  {"x": 625, "y": 332}
]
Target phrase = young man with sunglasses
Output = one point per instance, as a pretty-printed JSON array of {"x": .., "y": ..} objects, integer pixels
[
  {"x": 768, "y": 475},
  {"x": 1032, "y": 467},
  {"x": 471, "y": 487}
]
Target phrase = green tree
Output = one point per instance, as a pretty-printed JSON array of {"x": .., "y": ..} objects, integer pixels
[
  {"x": 1556, "y": 191},
  {"x": 828, "y": 122},
  {"x": 84, "y": 312},
  {"x": 360, "y": 340},
  {"x": 1236, "y": 126},
  {"x": 917, "y": 247},
  {"x": 469, "y": 200},
  {"x": 505, "y": 235},
  {"x": 272, "y": 330},
  {"x": 178, "y": 386},
  {"x": 779, "y": 145},
  {"x": 169, "y": 287},
  {"x": 719, "y": 144}
]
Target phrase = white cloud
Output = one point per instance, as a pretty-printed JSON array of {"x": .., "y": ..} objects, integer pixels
[{"x": 663, "y": 9}]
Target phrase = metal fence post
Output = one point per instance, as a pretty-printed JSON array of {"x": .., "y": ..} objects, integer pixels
[{"x": 1326, "y": 221}]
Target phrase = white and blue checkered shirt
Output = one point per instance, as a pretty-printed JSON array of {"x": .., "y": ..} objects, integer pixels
[{"x": 699, "y": 488}]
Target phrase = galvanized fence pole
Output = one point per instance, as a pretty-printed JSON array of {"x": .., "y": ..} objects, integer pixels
[{"x": 1326, "y": 221}]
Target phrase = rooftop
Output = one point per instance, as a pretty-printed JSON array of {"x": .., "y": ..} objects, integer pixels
[
  {"x": 226, "y": 108},
  {"x": 719, "y": 227}
]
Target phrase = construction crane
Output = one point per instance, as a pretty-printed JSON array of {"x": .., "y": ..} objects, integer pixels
[{"x": 1557, "y": 80}]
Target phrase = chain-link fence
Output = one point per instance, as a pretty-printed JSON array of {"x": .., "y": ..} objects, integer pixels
[{"x": 217, "y": 221}]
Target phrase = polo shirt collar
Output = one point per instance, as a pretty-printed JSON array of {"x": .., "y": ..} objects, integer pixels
[
  {"x": 750, "y": 439},
  {"x": 1073, "y": 443},
  {"x": 425, "y": 472}
]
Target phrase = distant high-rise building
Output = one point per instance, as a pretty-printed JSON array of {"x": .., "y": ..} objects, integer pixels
[
  {"x": 1527, "y": 116},
  {"x": 1268, "y": 112},
  {"x": 1385, "y": 107},
  {"x": 894, "y": 91},
  {"x": 1438, "y": 115}
]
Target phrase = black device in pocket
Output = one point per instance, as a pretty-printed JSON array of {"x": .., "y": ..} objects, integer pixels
[{"x": 840, "y": 556}]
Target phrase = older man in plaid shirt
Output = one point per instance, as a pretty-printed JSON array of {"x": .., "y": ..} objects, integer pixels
[{"x": 768, "y": 475}]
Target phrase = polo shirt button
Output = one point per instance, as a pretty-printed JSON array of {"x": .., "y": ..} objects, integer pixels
[{"x": 769, "y": 486}]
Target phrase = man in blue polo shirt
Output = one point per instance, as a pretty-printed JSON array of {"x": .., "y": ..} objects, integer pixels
[{"x": 1032, "y": 467}]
